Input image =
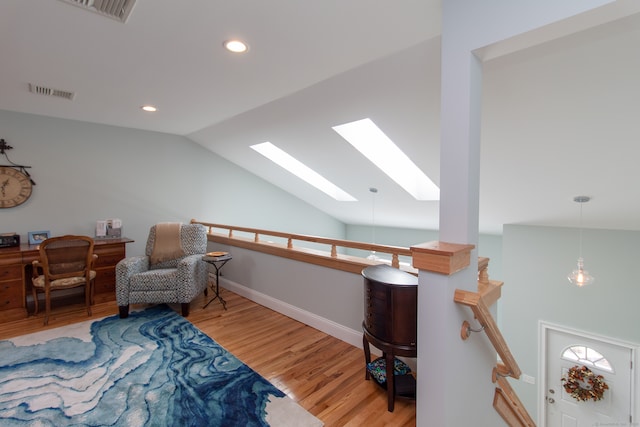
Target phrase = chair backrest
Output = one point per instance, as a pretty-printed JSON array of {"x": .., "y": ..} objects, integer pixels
[
  {"x": 66, "y": 256},
  {"x": 193, "y": 239}
]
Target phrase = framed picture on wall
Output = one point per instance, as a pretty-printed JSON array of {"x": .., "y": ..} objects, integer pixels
[{"x": 35, "y": 237}]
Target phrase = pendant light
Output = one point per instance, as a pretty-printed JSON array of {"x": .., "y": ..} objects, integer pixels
[{"x": 580, "y": 277}]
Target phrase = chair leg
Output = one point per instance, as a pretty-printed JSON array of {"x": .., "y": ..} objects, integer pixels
[
  {"x": 185, "y": 309},
  {"x": 35, "y": 301},
  {"x": 47, "y": 305},
  {"x": 87, "y": 298},
  {"x": 124, "y": 311}
]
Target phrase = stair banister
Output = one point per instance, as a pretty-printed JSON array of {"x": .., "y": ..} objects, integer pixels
[{"x": 482, "y": 313}]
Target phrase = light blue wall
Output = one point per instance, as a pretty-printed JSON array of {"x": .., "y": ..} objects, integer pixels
[
  {"x": 86, "y": 172},
  {"x": 536, "y": 263}
]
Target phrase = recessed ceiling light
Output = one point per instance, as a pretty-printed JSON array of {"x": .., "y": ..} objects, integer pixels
[
  {"x": 149, "y": 108},
  {"x": 286, "y": 161},
  {"x": 235, "y": 46},
  {"x": 367, "y": 138}
]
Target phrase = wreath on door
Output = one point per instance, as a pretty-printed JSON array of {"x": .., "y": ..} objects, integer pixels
[{"x": 582, "y": 384}]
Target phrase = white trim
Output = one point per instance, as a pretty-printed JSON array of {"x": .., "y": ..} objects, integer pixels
[
  {"x": 544, "y": 326},
  {"x": 327, "y": 326}
]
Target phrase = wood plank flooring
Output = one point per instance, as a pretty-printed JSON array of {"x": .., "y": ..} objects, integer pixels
[{"x": 323, "y": 374}]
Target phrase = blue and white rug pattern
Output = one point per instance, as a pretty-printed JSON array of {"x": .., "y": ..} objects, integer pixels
[{"x": 152, "y": 369}]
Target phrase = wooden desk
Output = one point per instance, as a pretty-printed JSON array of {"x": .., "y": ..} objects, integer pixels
[{"x": 15, "y": 274}]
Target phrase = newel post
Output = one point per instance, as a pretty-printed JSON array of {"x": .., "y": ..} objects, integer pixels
[{"x": 441, "y": 257}]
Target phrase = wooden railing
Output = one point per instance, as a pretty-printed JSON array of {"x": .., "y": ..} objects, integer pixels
[
  {"x": 332, "y": 258},
  {"x": 489, "y": 290},
  {"x": 507, "y": 403},
  {"x": 505, "y": 400},
  {"x": 474, "y": 301}
]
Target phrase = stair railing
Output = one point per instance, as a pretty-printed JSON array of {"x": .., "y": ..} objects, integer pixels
[{"x": 505, "y": 400}]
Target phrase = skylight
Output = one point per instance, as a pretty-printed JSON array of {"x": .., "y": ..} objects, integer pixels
[
  {"x": 367, "y": 138},
  {"x": 286, "y": 161}
]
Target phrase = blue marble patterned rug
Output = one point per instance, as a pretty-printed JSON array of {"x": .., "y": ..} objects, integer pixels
[{"x": 152, "y": 369}]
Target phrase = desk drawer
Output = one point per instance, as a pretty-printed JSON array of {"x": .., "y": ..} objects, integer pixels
[
  {"x": 11, "y": 272},
  {"x": 11, "y": 294},
  {"x": 108, "y": 260},
  {"x": 109, "y": 255},
  {"x": 105, "y": 281}
]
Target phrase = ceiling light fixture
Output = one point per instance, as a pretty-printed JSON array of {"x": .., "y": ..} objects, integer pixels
[
  {"x": 149, "y": 108},
  {"x": 235, "y": 46},
  {"x": 286, "y": 161},
  {"x": 367, "y": 138},
  {"x": 580, "y": 277}
]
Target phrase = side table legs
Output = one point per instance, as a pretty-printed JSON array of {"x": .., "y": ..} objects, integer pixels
[{"x": 216, "y": 290}]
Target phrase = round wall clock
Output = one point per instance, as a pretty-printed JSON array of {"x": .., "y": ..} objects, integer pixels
[{"x": 15, "y": 187}]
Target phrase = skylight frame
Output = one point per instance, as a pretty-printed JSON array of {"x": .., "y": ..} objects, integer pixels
[
  {"x": 302, "y": 171},
  {"x": 366, "y": 137}
]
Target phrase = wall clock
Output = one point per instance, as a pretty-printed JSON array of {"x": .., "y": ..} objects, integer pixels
[{"x": 15, "y": 187}]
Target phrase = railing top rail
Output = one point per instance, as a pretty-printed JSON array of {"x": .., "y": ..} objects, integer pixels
[
  {"x": 474, "y": 301},
  {"x": 314, "y": 239}
]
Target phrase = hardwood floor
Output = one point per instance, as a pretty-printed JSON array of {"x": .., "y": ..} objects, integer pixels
[{"x": 323, "y": 374}]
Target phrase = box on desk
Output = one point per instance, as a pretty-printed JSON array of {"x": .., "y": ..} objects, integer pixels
[{"x": 109, "y": 228}]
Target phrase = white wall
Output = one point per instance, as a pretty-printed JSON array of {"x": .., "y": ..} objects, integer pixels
[{"x": 86, "y": 172}]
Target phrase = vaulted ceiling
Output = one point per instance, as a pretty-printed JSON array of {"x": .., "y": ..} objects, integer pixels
[{"x": 560, "y": 118}]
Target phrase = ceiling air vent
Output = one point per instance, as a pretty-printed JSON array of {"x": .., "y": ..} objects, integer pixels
[
  {"x": 115, "y": 9},
  {"x": 47, "y": 91}
]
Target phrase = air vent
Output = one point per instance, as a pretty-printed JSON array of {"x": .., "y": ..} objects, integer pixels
[
  {"x": 115, "y": 9},
  {"x": 47, "y": 91}
]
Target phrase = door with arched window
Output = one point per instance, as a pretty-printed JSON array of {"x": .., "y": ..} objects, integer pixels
[{"x": 597, "y": 386}]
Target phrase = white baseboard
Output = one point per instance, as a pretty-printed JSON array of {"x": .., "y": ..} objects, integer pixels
[{"x": 327, "y": 326}]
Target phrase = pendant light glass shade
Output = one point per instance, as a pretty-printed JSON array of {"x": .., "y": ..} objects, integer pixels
[{"x": 580, "y": 277}]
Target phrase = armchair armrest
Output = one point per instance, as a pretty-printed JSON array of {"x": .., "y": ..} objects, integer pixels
[
  {"x": 132, "y": 265},
  {"x": 125, "y": 269},
  {"x": 188, "y": 265},
  {"x": 193, "y": 271}
]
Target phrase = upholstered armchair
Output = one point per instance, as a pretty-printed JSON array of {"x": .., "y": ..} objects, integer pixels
[{"x": 171, "y": 271}]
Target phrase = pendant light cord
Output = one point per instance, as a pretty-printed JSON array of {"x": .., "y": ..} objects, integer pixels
[
  {"x": 373, "y": 191},
  {"x": 580, "y": 248}
]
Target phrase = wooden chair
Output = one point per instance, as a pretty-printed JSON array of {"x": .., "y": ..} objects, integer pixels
[{"x": 65, "y": 262}]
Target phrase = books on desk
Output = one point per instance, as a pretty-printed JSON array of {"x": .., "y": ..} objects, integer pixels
[{"x": 216, "y": 256}]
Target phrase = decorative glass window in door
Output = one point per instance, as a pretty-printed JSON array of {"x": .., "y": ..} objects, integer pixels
[{"x": 587, "y": 356}]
